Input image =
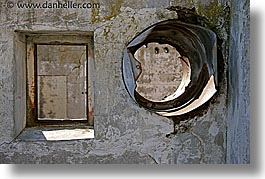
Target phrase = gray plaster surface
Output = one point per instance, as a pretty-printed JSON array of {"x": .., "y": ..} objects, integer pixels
[
  {"x": 125, "y": 132},
  {"x": 238, "y": 133}
]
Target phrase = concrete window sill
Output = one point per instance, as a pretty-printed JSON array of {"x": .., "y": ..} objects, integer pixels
[{"x": 56, "y": 133}]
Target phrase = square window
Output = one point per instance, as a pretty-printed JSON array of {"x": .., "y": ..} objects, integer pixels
[{"x": 59, "y": 79}]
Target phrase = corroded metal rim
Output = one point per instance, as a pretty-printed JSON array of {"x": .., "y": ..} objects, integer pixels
[{"x": 197, "y": 47}]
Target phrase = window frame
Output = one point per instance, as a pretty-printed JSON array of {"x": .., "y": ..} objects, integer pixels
[{"x": 59, "y": 38}]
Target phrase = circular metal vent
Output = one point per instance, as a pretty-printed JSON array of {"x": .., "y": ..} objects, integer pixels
[{"x": 197, "y": 51}]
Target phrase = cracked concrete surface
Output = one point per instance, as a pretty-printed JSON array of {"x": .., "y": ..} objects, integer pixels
[{"x": 124, "y": 132}]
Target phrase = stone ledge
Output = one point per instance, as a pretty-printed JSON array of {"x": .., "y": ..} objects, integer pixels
[{"x": 59, "y": 133}]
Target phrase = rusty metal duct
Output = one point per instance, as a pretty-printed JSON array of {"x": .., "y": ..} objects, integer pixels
[{"x": 198, "y": 50}]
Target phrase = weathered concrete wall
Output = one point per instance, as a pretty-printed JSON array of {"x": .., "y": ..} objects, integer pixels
[
  {"x": 238, "y": 144},
  {"x": 161, "y": 71},
  {"x": 124, "y": 132}
]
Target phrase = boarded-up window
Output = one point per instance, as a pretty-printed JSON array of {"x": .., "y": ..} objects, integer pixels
[
  {"x": 59, "y": 75},
  {"x": 62, "y": 79}
]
